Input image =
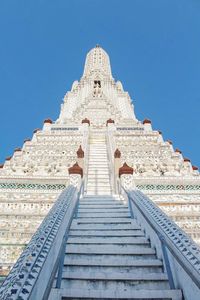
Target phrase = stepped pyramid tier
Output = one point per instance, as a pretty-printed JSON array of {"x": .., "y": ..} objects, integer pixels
[
  {"x": 97, "y": 96},
  {"x": 96, "y": 134}
]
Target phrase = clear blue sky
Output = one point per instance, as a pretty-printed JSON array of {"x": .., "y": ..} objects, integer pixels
[{"x": 154, "y": 47}]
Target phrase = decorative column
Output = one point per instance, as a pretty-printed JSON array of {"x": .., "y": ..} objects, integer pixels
[
  {"x": 110, "y": 122},
  {"x": 86, "y": 121},
  {"x": 160, "y": 137},
  {"x": 178, "y": 151},
  {"x": 34, "y": 134},
  {"x": 147, "y": 125},
  {"x": 195, "y": 170},
  {"x": 170, "y": 143},
  {"x": 117, "y": 161},
  {"x": 75, "y": 175},
  {"x": 80, "y": 157},
  {"x": 126, "y": 177},
  {"x": 187, "y": 165},
  {"x": 47, "y": 124},
  {"x": 17, "y": 152}
]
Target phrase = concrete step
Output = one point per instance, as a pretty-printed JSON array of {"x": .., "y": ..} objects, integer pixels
[
  {"x": 98, "y": 149},
  {"x": 96, "y": 154},
  {"x": 152, "y": 281},
  {"x": 99, "y": 159},
  {"x": 93, "y": 142},
  {"x": 101, "y": 210},
  {"x": 98, "y": 182},
  {"x": 108, "y": 220},
  {"x": 106, "y": 233},
  {"x": 113, "y": 197},
  {"x": 92, "y": 185},
  {"x": 112, "y": 269},
  {"x": 89, "y": 294},
  {"x": 98, "y": 144},
  {"x": 92, "y": 192},
  {"x": 109, "y": 260},
  {"x": 94, "y": 170},
  {"x": 96, "y": 189},
  {"x": 100, "y": 166},
  {"x": 115, "y": 276},
  {"x": 100, "y": 203},
  {"x": 112, "y": 259},
  {"x": 98, "y": 163},
  {"x": 97, "y": 173},
  {"x": 102, "y": 200},
  {"x": 100, "y": 207},
  {"x": 95, "y": 178},
  {"x": 100, "y": 153},
  {"x": 104, "y": 226},
  {"x": 109, "y": 249},
  {"x": 103, "y": 214},
  {"x": 93, "y": 173},
  {"x": 108, "y": 240}
]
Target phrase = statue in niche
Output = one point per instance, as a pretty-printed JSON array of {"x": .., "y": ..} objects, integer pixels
[{"x": 97, "y": 88}]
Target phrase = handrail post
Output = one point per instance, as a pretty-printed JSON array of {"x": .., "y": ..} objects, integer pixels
[
  {"x": 166, "y": 260},
  {"x": 162, "y": 241},
  {"x": 110, "y": 164},
  {"x": 65, "y": 238}
]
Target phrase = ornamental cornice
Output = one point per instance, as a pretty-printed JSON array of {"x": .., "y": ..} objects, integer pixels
[
  {"x": 30, "y": 186},
  {"x": 176, "y": 238},
  {"x": 168, "y": 180}
]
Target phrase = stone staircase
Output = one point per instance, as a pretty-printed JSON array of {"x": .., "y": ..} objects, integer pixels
[
  {"x": 109, "y": 257},
  {"x": 98, "y": 179}
]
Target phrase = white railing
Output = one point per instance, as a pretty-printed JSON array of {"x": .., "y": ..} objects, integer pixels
[
  {"x": 181, "y": 255},
  {"x": 110, "y": 155},
  {"x": 33, "y": 273},
  {"x": 86, "y": 155}
]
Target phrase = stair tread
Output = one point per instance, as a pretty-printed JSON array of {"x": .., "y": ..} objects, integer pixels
[
  {"x": 108, "y": 249},
  {"x": 102, "y": 261},
  {"x": 104, "y": 220},
  {"x": 108, "y": 240},
  {"x": 70, "y": 293},
  {"x": 104, "y": 214},
  {"x": 106, "y": 233},
  {"x": 114, "y": 276}
]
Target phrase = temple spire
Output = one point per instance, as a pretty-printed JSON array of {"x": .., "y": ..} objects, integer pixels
[{"x": 97, "y": 61}]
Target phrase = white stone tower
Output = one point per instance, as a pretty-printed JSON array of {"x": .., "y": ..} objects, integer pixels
[{"x": 98, "y": 115}]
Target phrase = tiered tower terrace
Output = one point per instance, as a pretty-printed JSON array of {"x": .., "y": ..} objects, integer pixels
[{"x": 98, "y": 138}]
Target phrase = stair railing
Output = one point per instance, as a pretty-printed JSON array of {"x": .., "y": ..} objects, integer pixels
[
  {"x": 86, "y": 157},
  {"x": 32, "y": 275},
  {"x": 65, "y": 238},
  {"x": 180, "y": 254},
  {"x": 110, "y": 163}
]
